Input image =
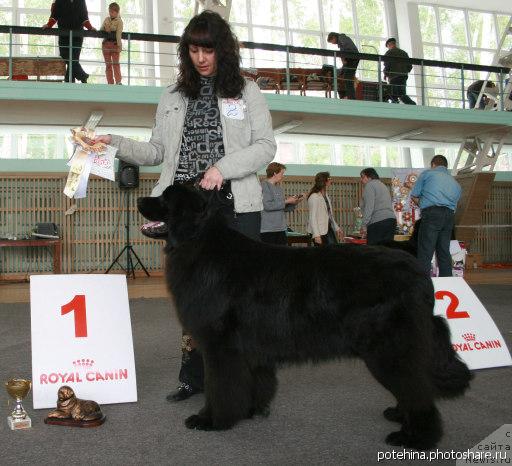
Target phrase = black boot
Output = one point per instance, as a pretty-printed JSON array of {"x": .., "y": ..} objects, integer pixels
[{"x": 183, "y": 392}]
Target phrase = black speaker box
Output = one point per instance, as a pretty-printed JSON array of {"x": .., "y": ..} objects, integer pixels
[{"x": 128, "y": 175}]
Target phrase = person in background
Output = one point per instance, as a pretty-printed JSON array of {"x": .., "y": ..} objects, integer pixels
[
  {"x": 321, "y": 225},
  {"x": 214, "y": 125},
  {"x": 437, "y": 193},
  {"x": 397, "y": 73},
  {"x": 348, "y": 71},
  {"x": 112, "y": 45},
  {"x": 474, "y": 91},
  {"x": 379, "y": 220},
  {"x": 70, "y": 15},
  {"x": 275, "y": 206}
]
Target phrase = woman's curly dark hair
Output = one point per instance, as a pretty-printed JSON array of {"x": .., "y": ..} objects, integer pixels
[{"x": 209, "y": 30}]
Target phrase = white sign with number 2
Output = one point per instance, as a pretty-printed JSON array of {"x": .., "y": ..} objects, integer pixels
[
  {"x": 81, "y": 337},
  {"x": 475, "y": 336}
]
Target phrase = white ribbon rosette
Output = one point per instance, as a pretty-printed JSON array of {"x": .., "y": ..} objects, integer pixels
[{"x": 89, "y": 158}]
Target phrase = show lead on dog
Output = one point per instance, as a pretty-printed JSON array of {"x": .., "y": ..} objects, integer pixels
[
  {"x": 437, "y": 194},
  {"x": 215, "y": 124},
  {"x": 379, "y": 220},
  {"x": 70, "y": 15}
]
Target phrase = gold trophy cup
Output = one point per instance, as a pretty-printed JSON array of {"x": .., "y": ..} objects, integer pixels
[{"x": 18, "y": 389}]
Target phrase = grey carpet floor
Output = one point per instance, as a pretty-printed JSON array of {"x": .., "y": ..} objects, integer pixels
[{"x": 325, "y": 414}]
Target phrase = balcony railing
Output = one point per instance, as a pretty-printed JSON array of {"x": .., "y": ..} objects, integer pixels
[{"x": 151, "y": 60}]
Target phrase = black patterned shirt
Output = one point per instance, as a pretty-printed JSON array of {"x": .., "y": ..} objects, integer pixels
[{"x": 201, "y": 143}]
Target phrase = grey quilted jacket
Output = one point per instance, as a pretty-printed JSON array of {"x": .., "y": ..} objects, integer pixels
[{"x": 248, "y": 142}]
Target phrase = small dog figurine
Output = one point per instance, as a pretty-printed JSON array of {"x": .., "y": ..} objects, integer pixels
[{"x": 70, "y": 407}]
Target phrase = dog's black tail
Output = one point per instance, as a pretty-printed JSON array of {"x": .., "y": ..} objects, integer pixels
[{"x": 451, "y": 375}]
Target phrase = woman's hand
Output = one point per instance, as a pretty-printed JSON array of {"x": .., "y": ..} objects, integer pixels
[
  {"x": 339, "y": 234},
  {"x": 104, "y": 138},
  {"x": 317, "y": 239},
  {"x": 291, "y": 200},
  {"x": 212, "y": 179}
]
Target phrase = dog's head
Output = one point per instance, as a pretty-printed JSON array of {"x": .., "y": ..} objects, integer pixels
[
  {"x": 182, "y": 207},
  {"x": 65, "y": 393}
]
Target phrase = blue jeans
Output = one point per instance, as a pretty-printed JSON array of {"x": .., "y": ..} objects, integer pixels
[{"x": 434, "y": 236}]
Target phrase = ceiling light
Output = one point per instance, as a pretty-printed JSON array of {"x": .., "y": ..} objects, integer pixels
[
  {"x": 399, "y": 137},
  {"x": 287, "y": 126},
  {"x": 93, "y": 120}
]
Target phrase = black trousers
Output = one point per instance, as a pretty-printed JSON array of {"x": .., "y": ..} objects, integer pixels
[
  {"x": 381, "y": 231},
  {"x": 348, "y": 74},
  {"x": 434, "y": 236},
  {"x": 399, "y": 90},
  {"x": 274, "y": 237},
  {"x": 77, "y": 70},
  {"x": 328, "y": 238},
  {"x": 192, "y": 369}
]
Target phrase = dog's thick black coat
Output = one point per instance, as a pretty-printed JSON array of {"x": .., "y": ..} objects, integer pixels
[{"x": 252, "y": 307}]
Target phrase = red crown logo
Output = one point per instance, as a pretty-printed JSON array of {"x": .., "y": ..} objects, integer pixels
[
  {"x": 469, "y": 336},
  {"x": 83, "y": 363}
]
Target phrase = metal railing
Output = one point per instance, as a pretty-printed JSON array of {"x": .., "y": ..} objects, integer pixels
[{"x": 150, "y": 59}]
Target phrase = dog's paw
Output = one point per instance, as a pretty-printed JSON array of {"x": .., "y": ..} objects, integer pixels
[
  {"x": 401, "y": 439},
  {"x": 198, "y": 422},
  {"x": 393, "y": 414}
]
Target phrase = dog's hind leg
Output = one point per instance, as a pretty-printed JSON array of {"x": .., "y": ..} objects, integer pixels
[
  {"x": 412, "y": 388},
  {"x": 263, "y": 389},
  {"x": 228, "y": 391}
]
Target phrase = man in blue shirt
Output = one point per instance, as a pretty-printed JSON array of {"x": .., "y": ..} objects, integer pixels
[{"x": 437, "y": 193}]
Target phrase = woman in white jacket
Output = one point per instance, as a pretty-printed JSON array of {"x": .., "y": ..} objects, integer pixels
[{"x": 322, "y": 226}]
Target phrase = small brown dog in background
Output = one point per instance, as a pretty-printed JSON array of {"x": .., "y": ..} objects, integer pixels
[{"x": 70, "y": 407}]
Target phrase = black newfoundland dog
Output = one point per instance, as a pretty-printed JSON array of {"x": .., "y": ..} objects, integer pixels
[{"x": 253, "y": 307}]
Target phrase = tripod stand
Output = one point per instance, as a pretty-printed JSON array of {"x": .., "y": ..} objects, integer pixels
[{"x": 130, "y": 266}]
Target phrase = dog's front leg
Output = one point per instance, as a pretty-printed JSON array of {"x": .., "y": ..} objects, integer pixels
[{"x": 228, "y": 391}]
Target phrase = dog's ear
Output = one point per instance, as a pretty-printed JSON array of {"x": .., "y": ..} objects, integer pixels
[{"x": 152, "y": 208}]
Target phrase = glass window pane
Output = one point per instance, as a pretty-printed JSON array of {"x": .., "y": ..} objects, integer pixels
[
  {"x": 266, "y": 58},
  {"x": 268, "y": 12},
  {"x": 319, "y": 154},
  {"x": 453, "y": 27},
  {"x": 95, "y": 6},
  {"x": 238, "y": 12},
  {"x": 41, "y": 146},
  {"x": 353, "y": 155},
  {"x": 502, "y": 24},
  {"x": 133, "y": 7},
  {"x": 242, "y": 33},
  {"x": 428, "y": 24},
  {"x": 482, "y": 29},
  {"x": 303, "y": 14},
  {"x": 483, "y": 57},
  {"x": 371, "y": 18},
  {"x": 302, "y": 60},
  {"x": 183, "y": 8},
  {"x": 338, "y": 16},
  {"x": 33, "y": 4},
  {"x": 34, "y": 45},
  {"x": 6, "y": 3},
  {"x": 5, "y": 18}
]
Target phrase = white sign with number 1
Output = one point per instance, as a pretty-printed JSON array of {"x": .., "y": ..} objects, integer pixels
[{"x": 81, "y": 337}]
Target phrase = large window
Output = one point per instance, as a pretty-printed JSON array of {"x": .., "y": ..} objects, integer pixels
[
  {"x": 303, "y": 23},
  {"x": 458, "y": 35},
  {"x": 36, "y": 13}
]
